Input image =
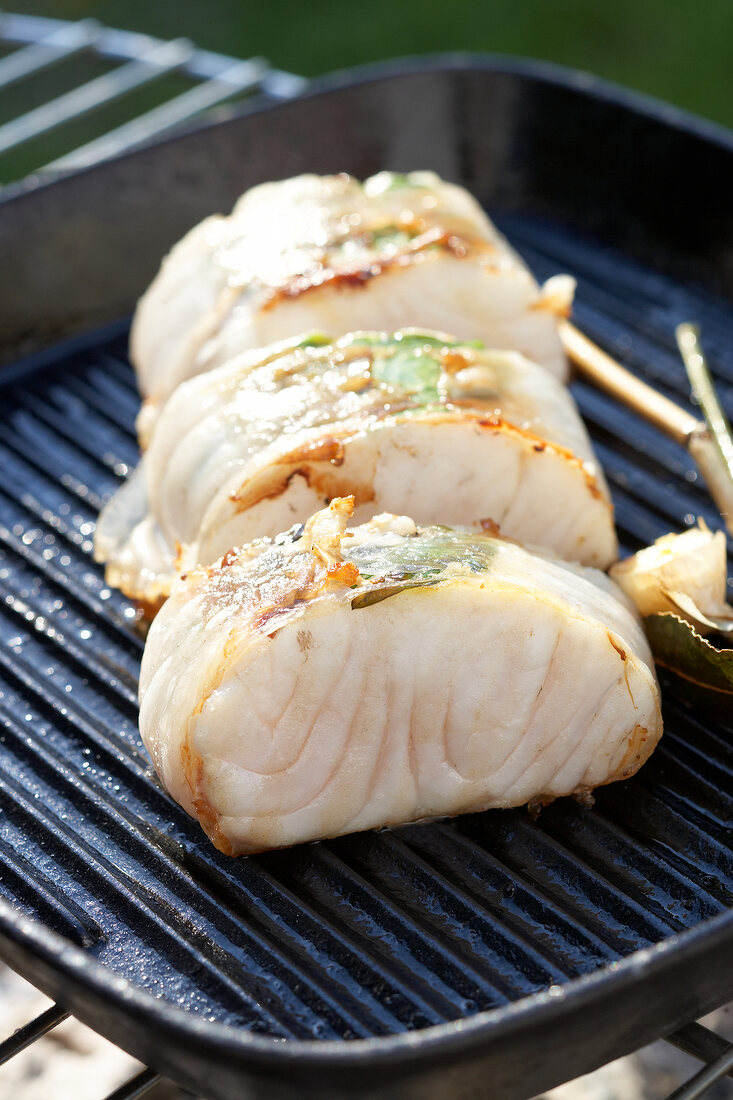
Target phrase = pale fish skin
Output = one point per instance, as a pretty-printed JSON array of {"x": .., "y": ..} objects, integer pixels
[
  {"x": 340, "y": 680},
  {"x": 326, "y": 252},
  {"x": 414, "y": 421}
]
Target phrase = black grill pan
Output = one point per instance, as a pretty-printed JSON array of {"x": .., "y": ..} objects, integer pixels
[{"x": 490, "y": 956}]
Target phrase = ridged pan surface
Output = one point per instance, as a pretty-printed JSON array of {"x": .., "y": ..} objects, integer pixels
[{"x": 367, "y": 936}]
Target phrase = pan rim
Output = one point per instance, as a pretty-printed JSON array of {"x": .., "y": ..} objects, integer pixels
[
  {"x": 532, "y": 69},
  {"x": 454, "y": 1037}
]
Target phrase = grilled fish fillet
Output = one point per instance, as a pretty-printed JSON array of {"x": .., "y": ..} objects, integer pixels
[
  {"x": 455, "y": 434},
  {"x": 325, "y": 252},
  {"x": 337, "y": 680}
]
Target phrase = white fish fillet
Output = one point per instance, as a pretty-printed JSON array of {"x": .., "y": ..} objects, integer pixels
[
  {"x": 326, "y": 253},
  {"x": 332, "y": 682},
  {"x": 454, "y": 434}
]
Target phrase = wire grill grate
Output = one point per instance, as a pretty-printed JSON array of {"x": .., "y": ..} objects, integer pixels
[{"x": 134, "y": 61}]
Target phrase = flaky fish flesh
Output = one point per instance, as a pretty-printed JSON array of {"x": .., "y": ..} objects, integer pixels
[
  {"x": 337, "y": 680},
  {"x": 328, "y": 253},
  {"x": 411, "y": 422}
]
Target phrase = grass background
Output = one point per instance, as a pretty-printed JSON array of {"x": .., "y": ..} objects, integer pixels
[{"x": 676, "y": 50}]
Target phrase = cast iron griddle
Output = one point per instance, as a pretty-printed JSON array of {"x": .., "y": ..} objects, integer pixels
[{"x": 489, "y": 956}]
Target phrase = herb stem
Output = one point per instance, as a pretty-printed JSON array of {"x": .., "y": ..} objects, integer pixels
[{"x": 712, "y": 448}]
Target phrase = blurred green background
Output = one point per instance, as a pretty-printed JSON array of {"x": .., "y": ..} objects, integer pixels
[{"x": 674, "y": 49}]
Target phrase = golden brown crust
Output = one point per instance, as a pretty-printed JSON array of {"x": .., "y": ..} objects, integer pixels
[
  {"x": 316, "y": 460},
  {"x": 149, "y": 608},
  {"x": 634, "y": 757},
  {"x": 358, "y": 275},
  {"x": 317, "y": 463}
]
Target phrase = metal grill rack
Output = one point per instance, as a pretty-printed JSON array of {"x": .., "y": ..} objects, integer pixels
[
  {"x": 138, "y": 61},
  {"x": 134, "y": 61}
]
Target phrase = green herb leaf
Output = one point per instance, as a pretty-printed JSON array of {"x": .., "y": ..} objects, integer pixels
[
  {"x": 401, "y": 179},
  {"x": 391, "y": 181},
  {"x": 410, "y": 370},
  {"x": 378, "y": 593},
  {"x": 391, "y": 235},
  {"x": 426, "y": 555},
  {"x": 314, "y": 340},
  {"x": 412, "y": 339},
  {"x": 677, "y": 645},
  {"x": 408, "y": 362}
]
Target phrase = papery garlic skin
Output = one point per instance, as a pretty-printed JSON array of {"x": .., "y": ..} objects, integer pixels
[{"x": 693, "y": 562}]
